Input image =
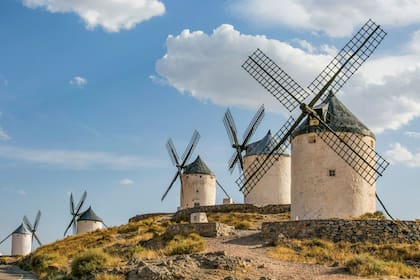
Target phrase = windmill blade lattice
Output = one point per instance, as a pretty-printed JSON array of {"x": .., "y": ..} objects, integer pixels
[
  {"x": 175, "y": 158},
  {"x": 260, "y": 166},
  {"x": 348, "y": 60},
  {"x": 75, "y": 212},
  {"x": 275, "y": 80},
  {"x": 236, "y": 158},
  {"x": 172, "y": 152},
  {"x": 253, "y": 125},
  {"x": 5, "y": 238},
  {"x": 330, "y": 80},
  {"x": 33, "y": 228},
  {"x": 191, "y": 146},
  {"x": 355, "y": 152}
]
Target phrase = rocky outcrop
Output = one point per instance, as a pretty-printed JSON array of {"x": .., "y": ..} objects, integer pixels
[
  {"x": 184, "y": 266},
  {"x": 203, "y": 229}
]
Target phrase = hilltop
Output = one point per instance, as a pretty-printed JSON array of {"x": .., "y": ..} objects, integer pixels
[{"x": 148, "y": 249}]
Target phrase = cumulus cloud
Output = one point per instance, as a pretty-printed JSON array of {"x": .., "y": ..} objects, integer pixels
[
  {"x": 76, "y": 160},
  {"x": 79, "y": 82},
  {"x": 126, "y": 181},
  {"x": 324, "y": 15},
  {"x": 398, "y": 154},
  {"x": 207, "y": 66},
  {"x": 111, "y": 15}
]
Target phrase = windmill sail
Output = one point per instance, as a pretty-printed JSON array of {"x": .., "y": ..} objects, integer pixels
[{"x": 326, "y": 84}]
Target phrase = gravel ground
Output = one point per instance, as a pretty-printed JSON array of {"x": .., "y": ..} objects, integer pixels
[{"x": 12, "y": 272}]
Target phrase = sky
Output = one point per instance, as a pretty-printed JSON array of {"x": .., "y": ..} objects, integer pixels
[{"x": 90, "y": 91}]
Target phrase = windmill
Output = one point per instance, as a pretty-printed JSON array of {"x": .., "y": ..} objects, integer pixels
[
  {"x": 23, "y": 236},
  {"x": 237, "y": 158},
  {"x": 198, "y": 183},
  {"x": 75, "y": 212},
  {"x": 34, "y": 227},
  {"x": 351, "y": 148},
  {"x": 180, "y": 164}
]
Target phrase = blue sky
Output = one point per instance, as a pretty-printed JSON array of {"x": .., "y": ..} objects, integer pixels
[{"x": 90, "y": 91}]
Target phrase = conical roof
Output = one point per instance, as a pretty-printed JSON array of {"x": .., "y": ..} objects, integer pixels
[
  {"x": 89, "y": 215},
  {"x": 22, "y": 229},
  {"x": 197, "y": 167},
  {"x": 338, "y": 117},
  {"x": 263, "y": 146}
]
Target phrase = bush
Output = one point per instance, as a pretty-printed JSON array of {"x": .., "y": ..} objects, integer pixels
[
  {"x": 89, "y": 262},
  {"x": 365, "y": 265},
  {"x": 179, "y": 245}
]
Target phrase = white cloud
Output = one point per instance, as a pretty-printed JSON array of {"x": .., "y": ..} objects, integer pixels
[
  {"x": 412, "y": 134},
  {"x": 22, "y": 192},
  {"x": 79, "y": 82},
  {"x": 336, "y": 18},
  {"x": 3, "y": 135},
  {"x": 208, "y": 68},
  {"x": 111, "y": 15},
  {"x": 13, "y": 190},
  {"x": 76, "y": 159},
  {"x": 126, "y": 181},
  {"x": 399, "y": 154}
]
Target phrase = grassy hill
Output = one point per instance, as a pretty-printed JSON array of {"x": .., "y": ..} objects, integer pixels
[{"x": 110, "y": 254}]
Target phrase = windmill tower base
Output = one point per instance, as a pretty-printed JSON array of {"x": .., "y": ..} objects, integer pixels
[
  {"x": 324, "y": 186},
  {"x": 86, "y": 226},
  {"x": 198, "y": 190},
  {"x": 274, "y": 187},
  {"x": 21, "y": 244}
]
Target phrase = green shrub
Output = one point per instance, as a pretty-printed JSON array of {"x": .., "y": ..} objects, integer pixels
[
  {"x": 89, "y": 262},
  {"x": 179, "y": 245}
]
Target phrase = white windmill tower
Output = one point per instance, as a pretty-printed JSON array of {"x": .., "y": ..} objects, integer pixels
[
  {"x": 89, "y": 221},
  {"x": 23, "y": 236},
  {"x": 334, "y": 178},
  {"x": 83, "y": 221},
  {"x": 274, "y": 186},
  {"x": 198, "y": 183}
]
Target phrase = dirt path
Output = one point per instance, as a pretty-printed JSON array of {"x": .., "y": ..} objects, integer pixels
[
  {"x": 12, "y": 272},
  {"x": 247, "y": 245}
]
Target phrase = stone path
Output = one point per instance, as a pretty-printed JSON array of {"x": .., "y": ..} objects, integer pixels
[{"x": 12, "y": 272}]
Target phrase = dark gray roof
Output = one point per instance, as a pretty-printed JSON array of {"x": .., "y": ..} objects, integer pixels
[
  {"x": 22, "y": 229},
  {"x": 197, "y": 167},
  {"x": 264, "y": 146},
  {"x": 89, "y": 215},
  {"x": 338, "y": 117}
]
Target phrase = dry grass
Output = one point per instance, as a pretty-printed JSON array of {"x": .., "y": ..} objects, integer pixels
[
  {"x": 363, "y": 259},
  {"x": 237, "y": 220},
  {"x": 192, "y": 243},
  {"x": 118, "y": 244}
]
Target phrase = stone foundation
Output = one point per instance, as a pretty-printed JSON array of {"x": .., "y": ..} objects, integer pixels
[
  {"x": 375, "y": 231},
  {"x": 203, "y": 229},
  {"x": 184, "y": 214}
]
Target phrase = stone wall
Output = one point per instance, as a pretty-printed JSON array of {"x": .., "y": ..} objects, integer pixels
[
  {"x": 184, "y": 214},
  {"x": 375, "y": 231},
  {"x": 203, "y": 229},
  {"x": 146, "y": 216}
]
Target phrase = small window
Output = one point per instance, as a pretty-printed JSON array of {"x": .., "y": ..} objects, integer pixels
[
  {"x": 312, "y": 139},
  {"x": 331, "y": 172},
  {"x": 372, "y": 144},
  {"x": 196, "y": 191}
]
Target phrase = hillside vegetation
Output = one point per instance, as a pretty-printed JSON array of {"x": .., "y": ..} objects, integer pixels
[
  {"x": 105, "y": 253},
  {"x": 110, "y": 254}
]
